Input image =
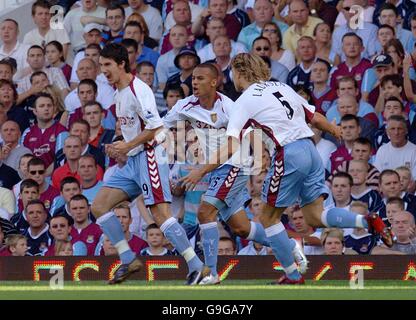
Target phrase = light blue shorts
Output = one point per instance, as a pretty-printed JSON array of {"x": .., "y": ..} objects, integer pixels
[
  {"x": 297, "y": 176},
  {"x": 147, "y": 172}
]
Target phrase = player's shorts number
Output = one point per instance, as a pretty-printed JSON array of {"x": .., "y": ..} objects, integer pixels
[
  {"x": 289, "y": 109},
  {"x": 145, "y": 189}
]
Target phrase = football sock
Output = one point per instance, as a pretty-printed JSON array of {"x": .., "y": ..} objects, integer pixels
[
  {"x": 282, "y": 248},
  {"x": 111, "y": 227},
  {"x": 177, "y": 236},
  {"x": 210, "y": 239},
  {"x": 341, "y": 218},
  {"x": 257, "y": 234}
]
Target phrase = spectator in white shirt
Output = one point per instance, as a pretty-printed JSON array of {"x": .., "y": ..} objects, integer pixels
[
  {"x": 399, "y": 151},
  {"x": 45, "y": 31},
  {"x": 151, "y": 16},
  {"x": 9, "y": 31}
]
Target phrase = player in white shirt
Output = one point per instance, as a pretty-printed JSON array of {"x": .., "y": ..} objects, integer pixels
[
  {"x": 208, "y": 113},
  {"x": 297, "y": 173},
  {"x": 146, "y": 170}
]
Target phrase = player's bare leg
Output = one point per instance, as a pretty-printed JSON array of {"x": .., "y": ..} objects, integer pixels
[
  {"x": 174, "y": 232},
  {"x": 106, "y": 199},
  {"x": 284, "y": 249},
  {"x": 316, "y": 216}
]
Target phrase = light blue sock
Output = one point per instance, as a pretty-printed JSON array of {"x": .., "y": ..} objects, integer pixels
[
  {"x": 177, "y": 236},
  {"x": 341, "y": 218},
  {"x": 282, "y": 248},
  {"x": 257, "y": 234},
  {"x": 210, "y": 239},
  {"x": 111, "y": 227}
]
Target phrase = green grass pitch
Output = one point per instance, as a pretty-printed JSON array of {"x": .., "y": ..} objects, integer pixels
[{"x": 228, "y": 290}]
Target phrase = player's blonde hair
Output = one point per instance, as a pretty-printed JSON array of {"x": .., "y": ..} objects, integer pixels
[{"x": 251, "y": 67}]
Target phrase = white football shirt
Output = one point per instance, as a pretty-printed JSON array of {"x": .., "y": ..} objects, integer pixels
[
  {"x": 275, "y": 108},
  {"x": 136, "y": 109},
  {"x": 210, "y": 125}
]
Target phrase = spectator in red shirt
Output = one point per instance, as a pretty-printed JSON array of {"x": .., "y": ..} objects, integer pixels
[
  {"x": 46, "y": 137},
  {"x": 351, "y": 130},
  {"x": 354, "y": 65},
  {"x": 72, "y": 152},
  {"x": 322, "y": 94},
  {"x": 83, "y": 229}
]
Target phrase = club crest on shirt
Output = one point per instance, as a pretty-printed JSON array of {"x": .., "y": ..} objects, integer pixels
[
  {"x": 47, "y": 204},
  {"x": 90, "y": 239},
  {"x": 214, "y": 117},
  {"x": 52, "y": 138}
]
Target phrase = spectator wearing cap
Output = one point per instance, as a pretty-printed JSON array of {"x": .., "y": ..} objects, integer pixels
[
  {"x": 151, "y": 16},
  {"x": 217, "y": 9},
  {"x": 354, "y": 65},
  {"x": 133, "y": 30},
  {"x": 367, "y": 32},
  {"x": 114, "y": 17},
  {"x": 43, "y": 33},
  {"x": 263, "y": 14},
  {"x": 186, "y": 61},
  {"x": 303, "y": 24},
  {"x": 11, "y": 47},
  {"x": 92, "y": 35},
  {"x": 306, "y": 51},
  {"x": 165, "y": 67},
  {"x": 8, "y": 68},
  {"x": 73, "y": 23}
]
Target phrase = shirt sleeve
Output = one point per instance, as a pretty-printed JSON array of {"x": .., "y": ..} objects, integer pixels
[
  {"x": 147, "y": 102},
  {"x": 238, "y": 119},
  {"x": 173, "y": 116}
]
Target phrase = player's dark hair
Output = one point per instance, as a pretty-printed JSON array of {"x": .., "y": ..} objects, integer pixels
[
  {"x": 28, "y": 183},
  {"x": 392, "y": 98},
  {"x": 344, "y": 175},
  {"x": 36, "y": 162},
  {"x": 388, "y": 172},
  {"x": 130, "y": 43},
  {"x": 37, "y": 73},
  {"x": 170, "y": 86},
  {"x": 349, "y": 117},
  {"x": 89, "y": 82},
  {"x": 36, "y": 201},
  {"x": 78, "y": 197},
  {"x": 386, "y": 26},
  {"x": 352, "y": 34},
  {"x": 115, "y": 6},
  {"x": 42, "y": 95},
  {"x": 117, "y": 53},
  {"x": 68, "y": 180}
]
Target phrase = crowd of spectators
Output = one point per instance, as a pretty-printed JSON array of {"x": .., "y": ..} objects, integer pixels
[{"x": 354, "y": 60}]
